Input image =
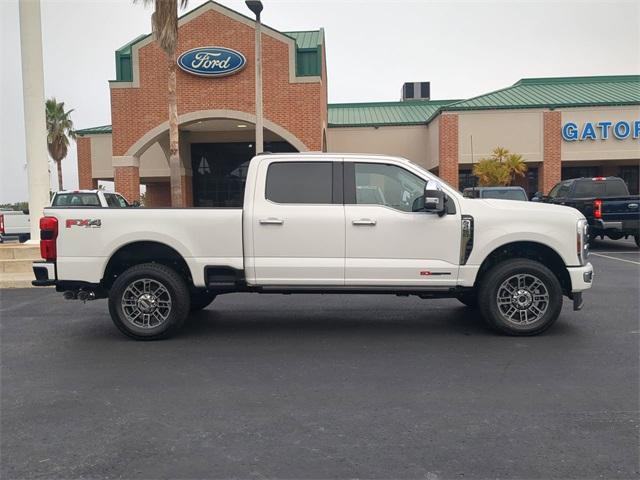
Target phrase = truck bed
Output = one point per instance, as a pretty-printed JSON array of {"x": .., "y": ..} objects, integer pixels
[{"x": 88, "y": 237}]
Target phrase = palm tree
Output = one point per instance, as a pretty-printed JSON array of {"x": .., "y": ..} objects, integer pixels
[
  {"x": 515, "y": 166},
  {"x": 491, "y": 173},
  {"x": 164, "y": 22},
  {"x": 59, "y": 130}
]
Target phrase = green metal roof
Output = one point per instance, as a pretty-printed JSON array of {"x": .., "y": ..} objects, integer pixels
[
  {"x": 558, "y": 92},
  {"x": 94, "y": 130},
  {"x": 308, "y": 39},
  {"x": 376, "y": 114}
]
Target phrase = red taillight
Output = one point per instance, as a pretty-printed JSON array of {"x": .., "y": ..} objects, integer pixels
[
  {"x": 48, "y": 236},
  {"x": 599, "y": 179},
  {"x": 597, "y": 208},
  {"x": 1, "y": 224}
]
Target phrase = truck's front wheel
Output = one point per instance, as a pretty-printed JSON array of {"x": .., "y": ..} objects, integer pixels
[
  {"x": 520, "y": 297},
  {"x": 149, "y": 301}
]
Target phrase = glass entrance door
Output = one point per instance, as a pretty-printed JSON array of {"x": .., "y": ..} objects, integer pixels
[{"x": 220, "y": 171}]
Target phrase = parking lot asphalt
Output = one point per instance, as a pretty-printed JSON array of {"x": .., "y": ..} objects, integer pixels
[{"x": 303, "y": 386}]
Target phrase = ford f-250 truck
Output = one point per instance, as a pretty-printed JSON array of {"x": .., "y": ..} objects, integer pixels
[{"x": 322, "y": 223}]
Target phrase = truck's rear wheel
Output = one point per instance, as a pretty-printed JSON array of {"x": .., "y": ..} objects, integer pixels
[
  {"x": 201, "y": 300},
  {"x": 149, "y": 301},
  {"x": 520, "y": 297}
]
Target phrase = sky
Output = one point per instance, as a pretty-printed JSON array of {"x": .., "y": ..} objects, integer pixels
[{"x": 463, "y": 48}]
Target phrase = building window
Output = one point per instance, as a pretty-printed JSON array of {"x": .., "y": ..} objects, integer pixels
[
  {"x": 580, "y": 172},
  {"x": 531, "y": 185},
  {"x": 466, "y": 179},
  {"x": 631, "y": 176}
]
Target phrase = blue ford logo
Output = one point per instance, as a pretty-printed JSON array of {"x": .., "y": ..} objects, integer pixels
[{"x": 211, "y": 61}]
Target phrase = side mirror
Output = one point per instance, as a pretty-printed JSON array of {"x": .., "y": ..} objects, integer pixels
[
  {"x": 25, "y": 211},
  {"x": 434, "y": 202},
  {"x": 538, "y": 197}
]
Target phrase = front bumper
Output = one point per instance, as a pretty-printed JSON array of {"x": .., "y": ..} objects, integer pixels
[
  {"x": 45, "y": 273},
  {"x": 581, "y": 278}
]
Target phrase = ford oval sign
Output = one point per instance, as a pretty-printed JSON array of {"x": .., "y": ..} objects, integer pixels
[{"x": 211, "y": 61}]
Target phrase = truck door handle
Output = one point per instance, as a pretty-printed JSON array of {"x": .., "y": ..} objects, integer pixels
[
  {"x": 271, "y": 221},
  {"x": 365, "y": 222}
]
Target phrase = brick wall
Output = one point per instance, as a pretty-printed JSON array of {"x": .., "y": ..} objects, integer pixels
[
  {"x": 85, "y": 179},
  {"x": 299, "y": 107},
  {"x": 448, "y": 148},
  {"x": 551, "y": 169},
  {"x": 158, "y": 195},
  {"x": 127, "y": 182}
]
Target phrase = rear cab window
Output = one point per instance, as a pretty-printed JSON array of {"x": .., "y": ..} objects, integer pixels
[
  {"x": 300, "y": 182},
  {"x": 76, "y": 199}
]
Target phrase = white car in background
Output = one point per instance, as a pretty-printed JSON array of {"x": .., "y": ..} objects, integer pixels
[{"x": 89, "y": 198}]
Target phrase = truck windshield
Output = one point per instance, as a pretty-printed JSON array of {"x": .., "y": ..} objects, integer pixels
[
  {"x": 76, "y": 199},
  {"x": 505, "y": 194}
]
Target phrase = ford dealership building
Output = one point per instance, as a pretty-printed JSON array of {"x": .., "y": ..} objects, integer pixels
[{"x": 563, "y": 127}]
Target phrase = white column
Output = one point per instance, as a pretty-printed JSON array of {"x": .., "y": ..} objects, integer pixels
[
  {"x": 34, "y": 116},
  {"x": 259, "y": 120}
]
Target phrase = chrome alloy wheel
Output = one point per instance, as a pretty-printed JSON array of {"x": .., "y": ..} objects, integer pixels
[
  {"x": 522, "y": 299},
  {"x": 146, "y": 303}
]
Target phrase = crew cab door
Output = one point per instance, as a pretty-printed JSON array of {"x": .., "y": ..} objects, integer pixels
[
  {"x": 387, "y": 244},
  {"x": 297, "y": 220}
]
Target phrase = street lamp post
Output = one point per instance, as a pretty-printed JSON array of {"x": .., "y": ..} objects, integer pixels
[
  {"x": 256, "y": 7},
  {"x": 34, "y": 119}
]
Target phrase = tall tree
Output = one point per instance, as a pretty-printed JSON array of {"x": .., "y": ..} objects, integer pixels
[
  {"x": 59, "y": 131},
  {"x": 164, "y": 22}
]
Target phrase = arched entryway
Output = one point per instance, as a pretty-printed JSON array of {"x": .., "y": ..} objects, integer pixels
[{"x": 215, "y": 149}]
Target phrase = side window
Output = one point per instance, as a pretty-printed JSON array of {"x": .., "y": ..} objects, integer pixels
[
  {"x": 561, "y": 190},
  {"x": 389, "y": 185},
  {"x": 121, "y": 201},
  {"x": 112, "y": 201},
  {"x": 300, "y": 182}
]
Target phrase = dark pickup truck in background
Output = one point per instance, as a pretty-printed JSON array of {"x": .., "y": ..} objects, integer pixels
[{"x": 604, "y": 201}]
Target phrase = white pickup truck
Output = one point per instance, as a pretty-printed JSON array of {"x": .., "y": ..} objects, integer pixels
[{"x": 322, "y": 223}]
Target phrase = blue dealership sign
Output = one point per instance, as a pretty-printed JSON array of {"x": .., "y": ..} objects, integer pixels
[
  {"x": 602, "y": 130},
  {"x": 211, "y": 61}
]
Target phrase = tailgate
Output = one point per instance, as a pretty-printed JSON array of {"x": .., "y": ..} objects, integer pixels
[{"x": 621, "y": 209}]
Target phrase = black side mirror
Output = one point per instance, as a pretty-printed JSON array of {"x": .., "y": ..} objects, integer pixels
[
  {"x": 26, "y": 211},
  {"x": 538, "y": 197},
  {"x": 434, "y": 202}
]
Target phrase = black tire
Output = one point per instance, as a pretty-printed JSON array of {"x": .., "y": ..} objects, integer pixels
[
  {"x": 492, "y": 286},
  {"x": 175, "y": 291},
  {"x": 470, "y": 299},
  {"x": 201, "y": 300},
  {"x": 637, "y": 239}
]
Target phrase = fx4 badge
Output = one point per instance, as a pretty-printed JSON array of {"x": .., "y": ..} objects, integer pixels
[{"x": 84, "y": 222}]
